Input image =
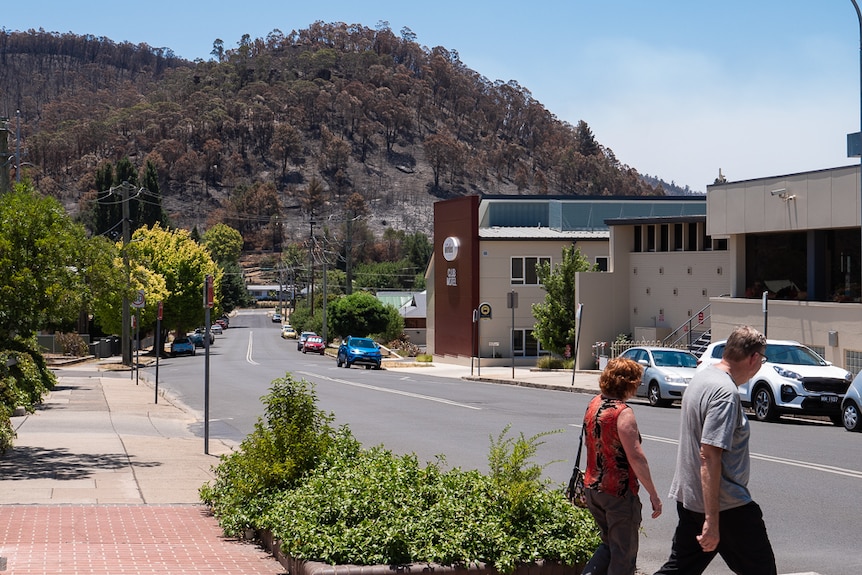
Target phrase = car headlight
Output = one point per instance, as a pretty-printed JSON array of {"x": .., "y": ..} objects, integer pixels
[{"x": 789, "y": 374}]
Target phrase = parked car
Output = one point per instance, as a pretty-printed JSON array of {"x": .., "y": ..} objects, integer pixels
[
  {"x": 361, "y": 350},
  {"x": 287, "y": 331},
  {"x": 221, "y": 322},
  {"x": 276, "y": 317},
  {"x": 216, "y": 329},
  {"x": 182, "y": 345},
  {"x": 198, "y": 337},
  {"x": 302, "y": 337},
  {"x": 794, "y": 379},
  {"x": 852, "y": 404},
  {"x": 667, "y": 372},
  {"x": 314, "y": 344}
]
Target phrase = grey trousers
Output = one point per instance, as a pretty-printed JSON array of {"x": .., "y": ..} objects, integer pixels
[{"x": 619, "y": 520}]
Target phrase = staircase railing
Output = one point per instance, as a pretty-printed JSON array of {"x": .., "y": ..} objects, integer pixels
[{"x": 685, "y": 330}]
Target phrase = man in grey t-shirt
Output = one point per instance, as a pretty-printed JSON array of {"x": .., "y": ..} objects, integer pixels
[{"x": 716, "y": 512}]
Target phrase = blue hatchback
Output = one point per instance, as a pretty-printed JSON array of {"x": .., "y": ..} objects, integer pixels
[
  {"x": 182, "y": 345},
  {"x": 360, "y": 350}
]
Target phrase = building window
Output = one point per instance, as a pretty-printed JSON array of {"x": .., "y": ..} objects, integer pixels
[
  {"x": 602, "y": 263},
  {"x": 691, "y": 244},
  {"x": 853, "y": 361},
  {"x": 677, "y": 237},
  {"x": 524, "y": 270},
  {"x": 525, "y": 345},
  {"x": 664, "y": 232},
  {"x": 639, "y": 244},
  {"x": 650, "y": 238}
]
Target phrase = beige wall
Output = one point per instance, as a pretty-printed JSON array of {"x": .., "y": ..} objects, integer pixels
[
  {"x": 824, "y": 199},
  {"x": 803, "y": 321},
  {"x": 495, "y": 283}
]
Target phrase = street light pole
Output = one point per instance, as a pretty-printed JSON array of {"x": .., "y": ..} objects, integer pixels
[{"x": 859, "y": 177}]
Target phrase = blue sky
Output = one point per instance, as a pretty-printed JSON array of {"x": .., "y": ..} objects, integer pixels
[{"x": 677, "y": 89}]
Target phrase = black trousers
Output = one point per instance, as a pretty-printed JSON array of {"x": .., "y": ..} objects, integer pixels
[{"x": 743, "y": 544}]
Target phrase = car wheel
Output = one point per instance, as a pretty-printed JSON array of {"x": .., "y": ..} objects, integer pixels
[
  {"x": 338, "y": 361},
  {"x": 368, "y": 367},
  {"x": 654, "y": 395},
  {"x": 322, "y": 352},
  {"x": 764, "y": 404},
  {"x": 851, "y": 417},
  {"x": 347, "y": 364},
  {"x": 303, "y": 350}
]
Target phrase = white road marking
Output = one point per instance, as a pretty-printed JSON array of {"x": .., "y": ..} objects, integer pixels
[
  {"x": 395, "y": 391},
  {"x": 250, "y": 347}
]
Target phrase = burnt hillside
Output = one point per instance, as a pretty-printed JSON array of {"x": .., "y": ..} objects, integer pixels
[{"x": 266, "y": 133}]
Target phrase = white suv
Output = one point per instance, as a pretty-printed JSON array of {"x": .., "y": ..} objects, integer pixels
[{"x": 794, "y": 379}]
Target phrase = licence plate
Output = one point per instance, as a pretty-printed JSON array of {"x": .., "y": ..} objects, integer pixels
[{"x": 828, "y": 399}]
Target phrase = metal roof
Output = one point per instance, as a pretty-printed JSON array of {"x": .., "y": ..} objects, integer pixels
[{"x": 544, "y": 233}]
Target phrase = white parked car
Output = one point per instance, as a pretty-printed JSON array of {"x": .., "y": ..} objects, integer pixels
[
  {"x": 794, "y": 379},
  {"x": 852, "y": 404},
  {"x": 667, "y": 372}
]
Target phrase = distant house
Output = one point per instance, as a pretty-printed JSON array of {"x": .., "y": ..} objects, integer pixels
[
  {"x": 412, "y": 307},
  {"x": 268, "y": 292}
]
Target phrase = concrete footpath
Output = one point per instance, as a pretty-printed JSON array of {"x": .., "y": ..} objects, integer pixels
[{"x": 102, "y": 480}]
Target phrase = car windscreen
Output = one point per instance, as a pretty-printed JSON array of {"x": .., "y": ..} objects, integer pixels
[
  {"x": 315, "y": 340},
  {"x": 792, "y": 355},
  {"x": 366, "y": 343},
  {"x": 674, "y": 359}
]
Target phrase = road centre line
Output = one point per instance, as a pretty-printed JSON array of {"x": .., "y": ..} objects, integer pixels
[
  {"x": 395, "y": 391},
  {"x": 772, "y": 459},
  {"x": 248, "y": 350}
]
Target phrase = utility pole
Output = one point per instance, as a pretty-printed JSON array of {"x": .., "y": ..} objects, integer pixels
[
  {"x": 5, "y": 158},
  {"x": 127, "y": 237},
  {"x": 311, "y": 263},
  {"x": 18, "y": 147}
]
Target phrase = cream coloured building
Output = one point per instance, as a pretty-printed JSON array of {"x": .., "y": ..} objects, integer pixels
[{"x": 674, "y": 270}]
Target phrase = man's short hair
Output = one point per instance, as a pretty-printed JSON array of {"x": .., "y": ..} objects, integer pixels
[{"x": 743, "y": 341}]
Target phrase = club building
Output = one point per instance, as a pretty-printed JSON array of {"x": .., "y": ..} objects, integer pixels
[{"x": 673, "y": 268}]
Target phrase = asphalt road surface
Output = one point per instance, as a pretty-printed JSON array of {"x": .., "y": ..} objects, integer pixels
[{"x": 806, "y": 475}]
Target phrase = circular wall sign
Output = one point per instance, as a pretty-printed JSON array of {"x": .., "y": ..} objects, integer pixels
[{"x": 450, "y": 248}]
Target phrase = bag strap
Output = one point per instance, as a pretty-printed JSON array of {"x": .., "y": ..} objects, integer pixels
[{"x": 580, "y": 446}]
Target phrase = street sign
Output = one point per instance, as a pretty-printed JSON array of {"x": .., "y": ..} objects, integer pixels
[
  {"x": 208, "y": 291},
  {"x": 484, "y": 310},
  {"x": 140, "y": 300}
]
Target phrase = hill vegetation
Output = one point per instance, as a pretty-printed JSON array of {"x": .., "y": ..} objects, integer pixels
[{"x": 332, "y": 123}]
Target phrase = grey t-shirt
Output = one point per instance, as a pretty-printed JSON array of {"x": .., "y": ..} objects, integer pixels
[{"x": 712, "y": 415}]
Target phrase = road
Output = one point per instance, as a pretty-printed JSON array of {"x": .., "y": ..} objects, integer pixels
[{"x": 806, "y": 475}]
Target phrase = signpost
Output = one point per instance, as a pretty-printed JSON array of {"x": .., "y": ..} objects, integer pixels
[
  {"x": 159, "y": 347},
  {"x": 140, "y": 301},
  {"x": 512, "y": 304},
  {"x": 208, "y": 304},
  {"x": 578, "y": 316}
]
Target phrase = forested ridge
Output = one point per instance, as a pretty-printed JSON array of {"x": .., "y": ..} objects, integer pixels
[{"x": 276, "y": 130}]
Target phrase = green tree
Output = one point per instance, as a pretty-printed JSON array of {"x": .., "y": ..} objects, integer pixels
[
  {"x": 39, "y": 275},
  {"x": 150, "y": 211},
  {"x": 233, "y": 293},
  {"x": 555, "y": 317},
  {"x": 169, "y": 266},
  {"x": 360, "y": 314},
  {"x": 224, "y": 243}
]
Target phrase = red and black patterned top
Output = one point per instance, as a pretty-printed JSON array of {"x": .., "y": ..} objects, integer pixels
[{"x": 608, "y": 468}]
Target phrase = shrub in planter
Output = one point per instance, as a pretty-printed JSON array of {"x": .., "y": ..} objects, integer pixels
[
  {"x": 287, "y": 442},
  {"x": 367, "y": 507}
]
